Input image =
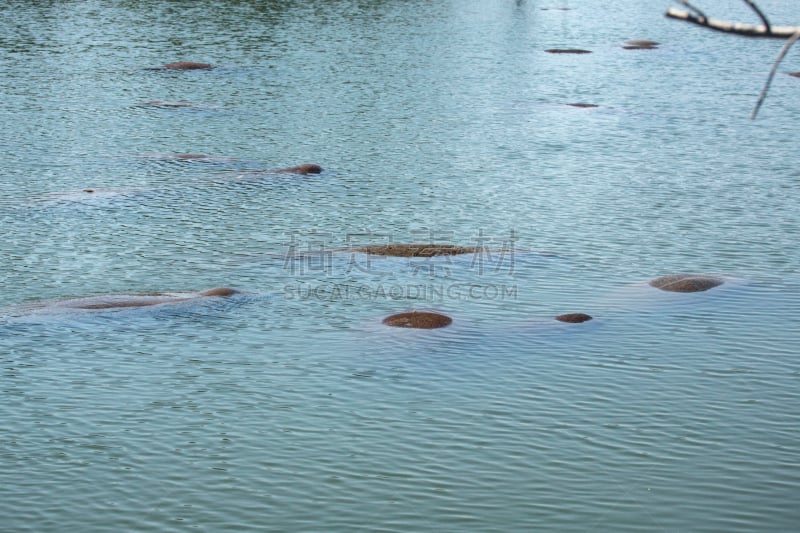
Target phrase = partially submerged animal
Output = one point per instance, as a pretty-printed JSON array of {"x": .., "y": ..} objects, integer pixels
[
  {"x": 417, "y": 250},
  {"x": 167, "y": 104},
  {"x": 304, "y": 169},
  {"x": 686, "y": 282},
  {"x": 120, "y": 301},
  {"x": 641, "y": 44},
  {"x": 187, "y": 65},
  {"x": 418, "y": 319}
]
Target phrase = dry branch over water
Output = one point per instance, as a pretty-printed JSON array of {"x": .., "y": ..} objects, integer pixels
[
  {"x": 738, "y": 28},
  {"x": 763, "y": 30}
]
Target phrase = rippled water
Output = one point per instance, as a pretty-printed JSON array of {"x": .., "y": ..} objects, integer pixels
[{"x": 289, "y": 406}]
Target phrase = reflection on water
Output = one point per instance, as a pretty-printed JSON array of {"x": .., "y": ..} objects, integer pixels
[{"x": 444, "y": 123}]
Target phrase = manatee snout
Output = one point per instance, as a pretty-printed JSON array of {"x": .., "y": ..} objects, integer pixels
[
  {"x": 187, "y": 65},
  {"x": 219, "y": 291},
  {"x": 304, "y": 169}
]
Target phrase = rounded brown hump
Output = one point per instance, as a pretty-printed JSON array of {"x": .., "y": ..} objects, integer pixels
[
  {"x": 686, "y": 283},
  {"x": 574, "y": 318},
  {"x": 219, "y": 291},
  {"x": 187, "y": 65},
  {"x": 640, "y": 44},
  {"x": 418, "y": 319},
  {"x": 190, "y": 156},
  {"x": 305, "y": 168},
  {"x": 416, "y": 250},
  {"x": 567, "y": 51}
]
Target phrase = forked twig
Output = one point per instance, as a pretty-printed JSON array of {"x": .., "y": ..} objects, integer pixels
[
  {"x": 760, "y": 14},
  {"x": 693, "y": 9},
  {"x": 777, "y": 62},
  {"x": 791, "y": 33},
  {"x": 747, "y": 30}
]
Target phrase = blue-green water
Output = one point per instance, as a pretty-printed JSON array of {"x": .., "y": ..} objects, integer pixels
[{"x": 290, "y": 407}]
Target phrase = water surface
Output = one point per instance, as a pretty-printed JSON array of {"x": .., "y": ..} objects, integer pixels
[{"x": 291, "y": 407}]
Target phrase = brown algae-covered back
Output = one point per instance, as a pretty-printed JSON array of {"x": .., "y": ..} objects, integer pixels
[
  {"x": 567, "y": 51},
  {"x": 686, "y": 282},
  {"x": 219, "y": 291},
  {"x": 187, "y": 65},
  {"x": 418, "y": 319},
  {"x": 304, "y": 169},
  {"x": 574, "y": 318},
  {"x": 417, "y": 250}
]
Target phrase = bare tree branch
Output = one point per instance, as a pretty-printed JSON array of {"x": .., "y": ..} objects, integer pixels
[
  {"x": 692, "y": 8},
  {"x": 778, "y": 60},
  {"x": 791, "y": 33},
  {"x": 738, "y": 28},
  {"x": 760, "y": 14}
]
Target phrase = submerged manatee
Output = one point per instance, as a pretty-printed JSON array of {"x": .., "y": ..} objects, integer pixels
[
  {"x": 686, "y": 282},
  {"x": 574, "y": 318},
  {"x": 170, "y": 105},
  {"x": 187, "y": 65},
  {"x": 119, "y": 301},
  {"x": 88, "y": 196},
  {"x": 188, "y": 158},
  {"x": 640, "y": 44},
  {"x": 304, "y": 169},
  {"x": 567, "y": 51},
  {"x": 191, "y": 157},
  {"x": 418, "y": 319},
  {"x": 417, "y": 250}
]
